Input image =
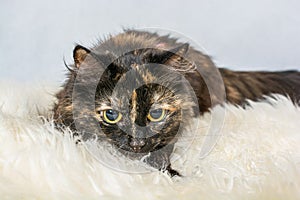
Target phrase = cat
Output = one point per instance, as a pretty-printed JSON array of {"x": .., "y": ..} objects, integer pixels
[{"x": 145, "y": 113}]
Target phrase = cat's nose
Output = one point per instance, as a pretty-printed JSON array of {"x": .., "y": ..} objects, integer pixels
[{"x": 137, "y": 143}]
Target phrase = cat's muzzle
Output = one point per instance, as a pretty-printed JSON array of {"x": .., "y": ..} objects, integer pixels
[{"x": 136, "y": 144}]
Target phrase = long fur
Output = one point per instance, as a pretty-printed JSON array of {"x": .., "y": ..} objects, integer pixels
[{"x": 256, "y": 157}]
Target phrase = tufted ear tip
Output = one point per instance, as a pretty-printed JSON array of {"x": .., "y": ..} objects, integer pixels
[
  {"x": 79, "y": 54},
  {"x": 181, "y": 50},
  {"x": 173, "y": 54},
  {"x": 176, "y": 58}
]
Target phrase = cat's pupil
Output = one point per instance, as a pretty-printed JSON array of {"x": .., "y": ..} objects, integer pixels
[
  {"x": 112, "y": 114},
  {"x": 156, "y": 113}
]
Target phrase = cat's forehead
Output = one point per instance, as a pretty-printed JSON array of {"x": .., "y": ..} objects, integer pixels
[
  {"x": 133, "y": 58},
  {"x": 145, "y": 93},
  {"x": 153, "y": 95}
]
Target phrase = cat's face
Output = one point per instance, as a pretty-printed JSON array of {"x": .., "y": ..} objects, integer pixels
[
  {"x": 147, "y": 122},
  {"x": 139, "y": 101},
  {"x": 135, "y": 114}
]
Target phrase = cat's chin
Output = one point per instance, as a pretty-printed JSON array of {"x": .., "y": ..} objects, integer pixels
[
  {"x": 135, "y": 152},
  {"x": 134, "y": 155},
  {"x": 138, "y": 153}
]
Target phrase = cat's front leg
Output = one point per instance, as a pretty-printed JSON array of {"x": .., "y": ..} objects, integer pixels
[{"x": 160, "y": 159}]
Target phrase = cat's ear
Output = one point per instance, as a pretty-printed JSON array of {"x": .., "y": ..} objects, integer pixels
[
  {"x": 174, "y": 54},
  {"x": 79, "y": 54},
  {"x": 176, "y": 58}
]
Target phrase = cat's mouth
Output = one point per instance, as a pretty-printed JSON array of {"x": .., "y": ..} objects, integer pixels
[
  {"x": 138, "y": 146},
  {"x": 146, "y": 145},
  {"x": 141, "y": 149}
]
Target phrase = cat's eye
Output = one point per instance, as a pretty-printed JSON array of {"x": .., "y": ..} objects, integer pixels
[
  {"x": 156, "y": 115},
  {"x": 111, "y": 116}
]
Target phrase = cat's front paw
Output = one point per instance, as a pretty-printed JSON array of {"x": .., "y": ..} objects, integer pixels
[{"x": 172, "y": 172}]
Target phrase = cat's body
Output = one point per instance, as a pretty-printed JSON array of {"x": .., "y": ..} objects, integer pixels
[{"x": 150, "y": 103}]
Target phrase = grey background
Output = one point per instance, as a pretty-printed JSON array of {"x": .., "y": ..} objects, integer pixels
[{"x": 35, "y": 35}]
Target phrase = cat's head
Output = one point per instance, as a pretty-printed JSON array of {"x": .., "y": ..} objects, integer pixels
[{"x": 141, "y": 99}]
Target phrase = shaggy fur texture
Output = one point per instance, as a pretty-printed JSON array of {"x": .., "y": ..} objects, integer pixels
[{"x": 257, "y": 156}]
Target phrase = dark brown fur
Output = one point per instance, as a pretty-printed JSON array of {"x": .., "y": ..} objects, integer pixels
[
  {"x": 147, "y": 48},
  {"x": 241, "y": 86}
]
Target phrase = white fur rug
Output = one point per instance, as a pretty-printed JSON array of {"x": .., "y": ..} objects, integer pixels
[{"x": 257, "y": 157}]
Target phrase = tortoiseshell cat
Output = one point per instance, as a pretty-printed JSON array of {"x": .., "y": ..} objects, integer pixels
[{"x": 144, "y": 113}]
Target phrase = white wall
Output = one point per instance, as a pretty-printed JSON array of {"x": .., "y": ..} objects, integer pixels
[{"x": 35, "y": 35}]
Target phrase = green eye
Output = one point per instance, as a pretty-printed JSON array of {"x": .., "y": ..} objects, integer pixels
[
  {"x": 156, "y": 115},
  {"x": 111, "y": 116}
]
